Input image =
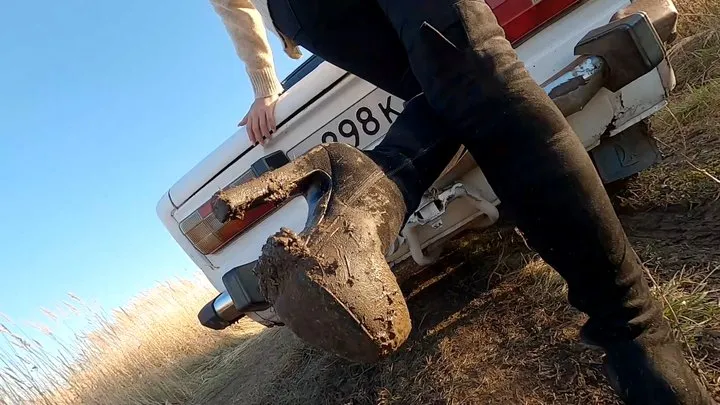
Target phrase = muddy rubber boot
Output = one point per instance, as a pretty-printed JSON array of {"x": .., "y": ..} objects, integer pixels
[
  {"x": 330, "y": 284},
  {"x": 645, "y": 371},
  {"x": 545, "y": 179}
]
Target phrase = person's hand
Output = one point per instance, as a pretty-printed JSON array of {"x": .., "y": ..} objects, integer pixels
[{"x": 260, "y": 120}]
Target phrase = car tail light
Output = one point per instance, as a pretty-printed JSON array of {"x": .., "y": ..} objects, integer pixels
[
  {"x": 208, "y": 234},
  {"x": 520, "y": 17}
]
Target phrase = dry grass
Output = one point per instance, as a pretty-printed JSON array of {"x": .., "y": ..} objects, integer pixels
[
  {"x": 492, "y": 327},
  {"x": 687, "y": 130},
  {"x": 151, "y": 352}
]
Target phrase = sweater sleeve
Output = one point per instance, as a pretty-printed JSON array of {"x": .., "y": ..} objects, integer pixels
[{"x": 247, "y": 31}]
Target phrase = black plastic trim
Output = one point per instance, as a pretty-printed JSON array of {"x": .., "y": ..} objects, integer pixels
[
  {"x": 243, "y": 286},
  {"x": 270, "y": 162},
  {"x": 631, "y": 47},
  {"x": 301, "y": 71}
]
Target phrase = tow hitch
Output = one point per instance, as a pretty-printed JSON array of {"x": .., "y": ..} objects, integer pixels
[{"x": 431, "y": 214}]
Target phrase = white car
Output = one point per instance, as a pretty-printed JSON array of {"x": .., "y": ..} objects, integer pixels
[{"x": 602, "y": 62}]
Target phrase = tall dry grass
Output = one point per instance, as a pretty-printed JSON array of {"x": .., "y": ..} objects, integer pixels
[{"x": 152, "y": 351}]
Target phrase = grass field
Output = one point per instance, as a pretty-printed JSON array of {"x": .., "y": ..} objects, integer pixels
[{"x": 493, "y": 327}]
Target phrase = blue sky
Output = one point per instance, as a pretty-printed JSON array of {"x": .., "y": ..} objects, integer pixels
[{"x": 103, "y": 106}]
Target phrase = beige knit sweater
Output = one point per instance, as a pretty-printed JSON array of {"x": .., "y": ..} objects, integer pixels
[{"x": 246, "y": 22}]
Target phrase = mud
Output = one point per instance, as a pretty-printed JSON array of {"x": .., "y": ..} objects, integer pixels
[
  {"x": 330, "y": 284},
  {"x": 233, "y": 203},
  {"x": 275, "y": 186},
  {"x": 682, "y": 235}
]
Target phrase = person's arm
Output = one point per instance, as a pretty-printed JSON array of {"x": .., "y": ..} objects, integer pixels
[{"x": 247, "y": 31}]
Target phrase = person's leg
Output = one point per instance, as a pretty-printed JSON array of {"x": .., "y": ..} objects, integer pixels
[
  {"x": 541, "y": 172},
  {"x": 493, "y": 94},
  {"x": 471, "y": 77},
  {"x": 416, "y": 148},
  {"x": 351, "y": 35},
  {"x": 531, "y": 156}
]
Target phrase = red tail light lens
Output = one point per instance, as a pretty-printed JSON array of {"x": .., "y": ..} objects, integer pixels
[
  {"x": 208, "y": 234},
  {"x": 520, "y": 17}
]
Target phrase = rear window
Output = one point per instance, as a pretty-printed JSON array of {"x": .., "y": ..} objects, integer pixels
[{"x": 303, "y": 70}]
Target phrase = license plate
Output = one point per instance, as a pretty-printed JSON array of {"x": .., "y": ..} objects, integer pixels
[{"x": 360, "y": 125}]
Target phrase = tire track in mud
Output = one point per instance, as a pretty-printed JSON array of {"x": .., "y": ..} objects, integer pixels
[{"x": 678, "y": 236}]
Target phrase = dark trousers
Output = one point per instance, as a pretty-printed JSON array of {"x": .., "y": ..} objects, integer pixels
[{"x": 477, "y": 93}]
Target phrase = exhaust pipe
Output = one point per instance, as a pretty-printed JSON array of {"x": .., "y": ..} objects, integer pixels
[
  {"x": 219, "y": 313},
  {"x": 242, "y": 295}
]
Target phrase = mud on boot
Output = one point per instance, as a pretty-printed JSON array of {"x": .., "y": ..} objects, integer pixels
[
  {"x": 330, "y": 284},
  {"x": 651, "y": 370}
]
